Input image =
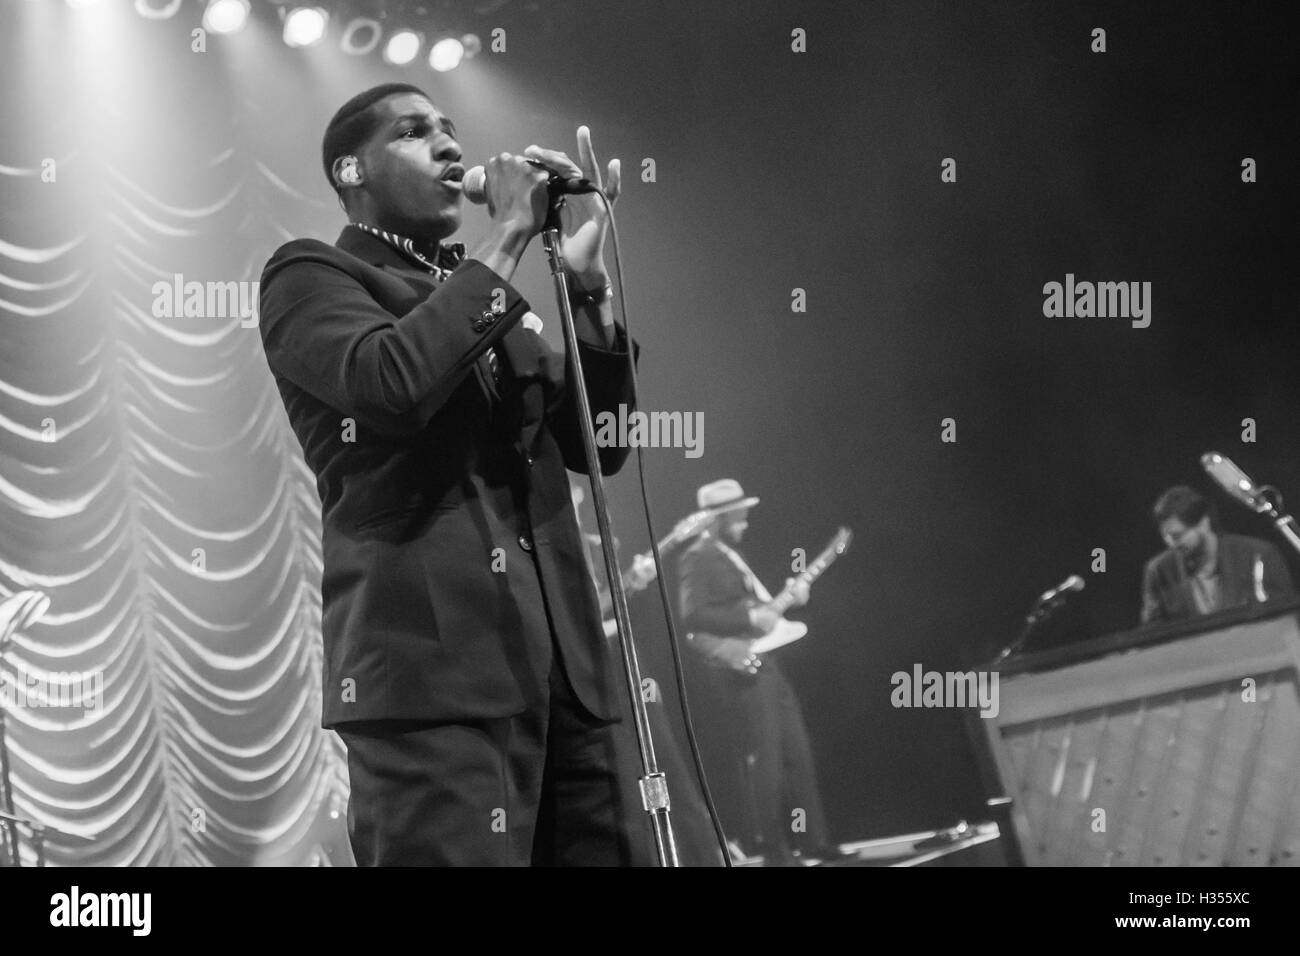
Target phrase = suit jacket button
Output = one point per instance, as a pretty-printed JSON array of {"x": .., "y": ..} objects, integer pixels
[{"x": 525, "y": 542}]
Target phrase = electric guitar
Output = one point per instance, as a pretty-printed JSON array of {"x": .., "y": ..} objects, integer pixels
[
  {"x": 785, "y": 632},
  {"x": 683, "y": 531}
]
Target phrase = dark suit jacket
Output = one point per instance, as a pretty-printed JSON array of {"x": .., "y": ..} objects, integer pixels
[
  {"x": 1166, "y": 596},
  {"x": 715, "y": 595},
  {"x": 448, "y": 533}
]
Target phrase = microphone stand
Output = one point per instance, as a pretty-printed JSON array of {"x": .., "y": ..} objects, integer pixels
[
  {"x": 8, "y": 829},
  {"x": 39, "y": 832},
  {"x": 653, "y": 782},
  {"x": 8, "y": 822},
  {"x": 18, "y": 610},
  {"x": 1041, "y": 611},
  {"x": 11, "y": 825}
]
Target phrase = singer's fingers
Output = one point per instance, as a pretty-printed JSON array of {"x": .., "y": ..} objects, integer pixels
[
  {"x": 587, "y": 156},
  {"x": 555, "y": 160},
  {"x": 615, "y": 180}
]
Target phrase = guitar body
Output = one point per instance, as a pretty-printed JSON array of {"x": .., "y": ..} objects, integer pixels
[
  {"x": 718, "y": 653},
  {"x": 785, "y": 632}
]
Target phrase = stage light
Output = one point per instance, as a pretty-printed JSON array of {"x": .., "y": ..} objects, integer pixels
[
  {"x": 305, "y": 26},
  {"x": 473, "y": 45},
  {"x": 157, "y": 9},
  {"x": 225, "y": 16},
  {"x": 446, "y": 54},
  {"x": 365, "y": 26},
  {"x": 402, "y": 47}
]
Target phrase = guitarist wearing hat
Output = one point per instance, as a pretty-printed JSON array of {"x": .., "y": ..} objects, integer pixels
[
  {"x": 752, "y": 731},
  {"x": 696, "y": 843}
]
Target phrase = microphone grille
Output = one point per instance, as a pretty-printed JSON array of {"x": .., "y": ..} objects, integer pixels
[
  {"x": 474, "y": 183},
  {"x": 1232, "y": 479}
]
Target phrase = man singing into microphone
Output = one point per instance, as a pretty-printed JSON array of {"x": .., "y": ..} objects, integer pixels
[
  {"x": 1204, "y": 571},
  {"x": 464, "y": 663}
]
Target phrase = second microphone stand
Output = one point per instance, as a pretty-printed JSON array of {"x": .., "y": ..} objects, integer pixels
[{"x": 1041, "y": 611}]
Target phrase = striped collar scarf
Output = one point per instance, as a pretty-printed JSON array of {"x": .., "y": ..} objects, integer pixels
[{"x": 450, "y": 255}]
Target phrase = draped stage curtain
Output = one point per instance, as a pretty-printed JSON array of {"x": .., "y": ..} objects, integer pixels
[{"x": 159, "y": 532}]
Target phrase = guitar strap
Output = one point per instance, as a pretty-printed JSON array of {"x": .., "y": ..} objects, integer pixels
[{"x": 751, "y": 579}]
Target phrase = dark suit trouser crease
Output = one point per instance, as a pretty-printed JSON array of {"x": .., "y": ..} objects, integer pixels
[{"x": 553, "y": 786}]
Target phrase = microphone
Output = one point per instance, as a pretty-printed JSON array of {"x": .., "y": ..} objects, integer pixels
[
  {"x": 474, "y": 185},
  {"x": 1234, "y": 481},
  {"x": 1043, "y": 609},
  {"x": 1072, "y": 583}
]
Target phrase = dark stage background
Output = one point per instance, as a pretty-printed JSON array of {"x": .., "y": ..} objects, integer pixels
[{"x": 777, "y": 170}]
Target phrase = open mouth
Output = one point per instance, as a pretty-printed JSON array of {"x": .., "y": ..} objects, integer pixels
[{"x": 452, "y": 178}]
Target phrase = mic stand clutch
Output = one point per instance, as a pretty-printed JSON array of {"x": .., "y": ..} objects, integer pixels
[
  {"x": 653, "y": 782},
  {"x": 1284, "y": 522}
]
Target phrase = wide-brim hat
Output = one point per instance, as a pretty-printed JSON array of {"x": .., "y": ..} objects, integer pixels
[{"x": 723, "y": 495}]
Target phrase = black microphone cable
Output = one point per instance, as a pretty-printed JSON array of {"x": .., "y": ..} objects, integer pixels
[{"x": 673, "y": 641}]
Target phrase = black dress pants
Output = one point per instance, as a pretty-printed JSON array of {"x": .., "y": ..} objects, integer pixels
[
  {"x": 553, "y": 786},
  {"x": 759, "y": 759}
]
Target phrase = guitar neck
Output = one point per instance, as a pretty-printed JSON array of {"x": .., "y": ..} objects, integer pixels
[
  {"x": 669, "y": 542},
  {"x": 685, "y": 529},
  {"x": 823, "y": 561},
  {"x": 629, "y": 581}
]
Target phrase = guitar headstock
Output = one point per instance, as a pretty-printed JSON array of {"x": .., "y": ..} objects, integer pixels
[{"x": 690, "y": 526}]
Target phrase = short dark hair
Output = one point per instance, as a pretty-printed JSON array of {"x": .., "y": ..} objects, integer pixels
[
  {"x": 1186, "y": 504},
  {"x": 355, "y": 122}
]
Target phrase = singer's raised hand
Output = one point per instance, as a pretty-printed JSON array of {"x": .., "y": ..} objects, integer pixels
[
  {"x": 583, "y": 220},
  {"x": 518, "y": 202}
]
